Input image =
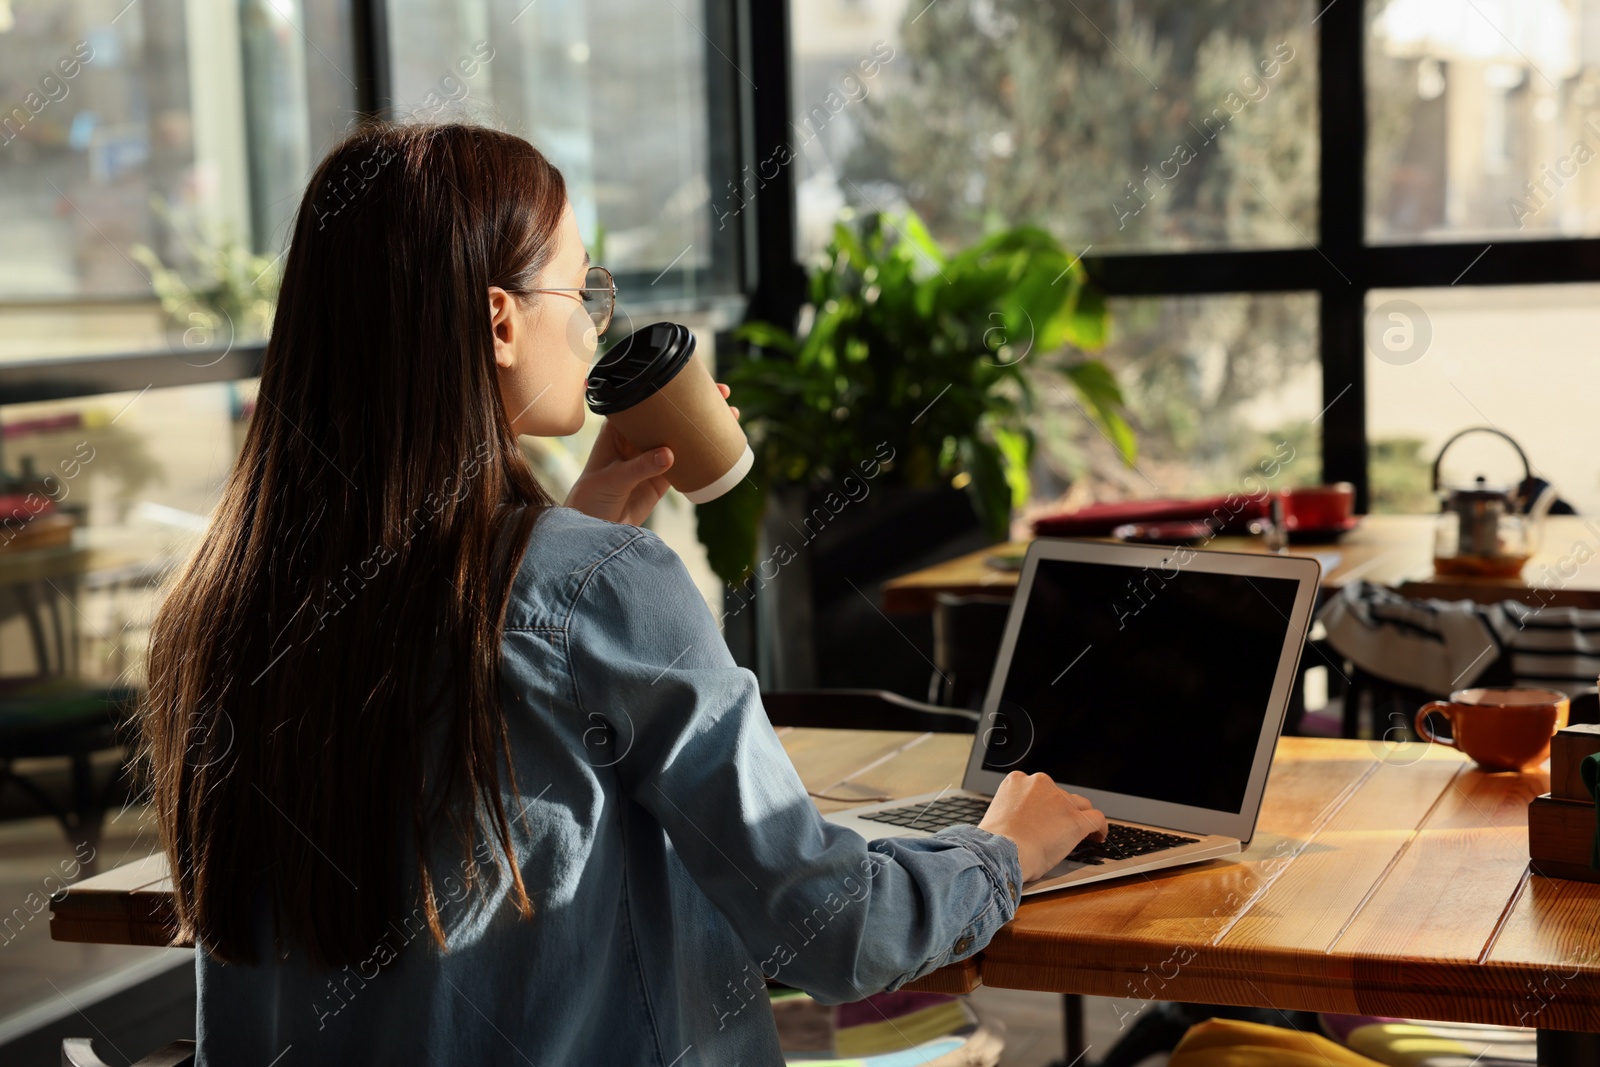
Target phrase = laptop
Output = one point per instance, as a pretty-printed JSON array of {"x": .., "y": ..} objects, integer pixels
[{"x": 1152, "y": 680}]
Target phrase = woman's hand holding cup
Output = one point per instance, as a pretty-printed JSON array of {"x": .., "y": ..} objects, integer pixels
[{"x": 619, "y": 482}]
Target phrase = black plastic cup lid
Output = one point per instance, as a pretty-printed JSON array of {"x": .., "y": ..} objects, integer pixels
[{"x": 638, "y": 365}]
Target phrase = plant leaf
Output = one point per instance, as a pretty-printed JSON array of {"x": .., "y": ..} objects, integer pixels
[
  {"x": 728, "y": 527},
  {"x": 768, "y": 335},
  {"x": 847, "y": 245},
  {"x": 989, "y": 490},
  {"x": 911, "y": 227},
  {"x": 1016, "y": 448},
  {"x": 1098, "y": 387},
  {"x": 1087, "y": 324},
  {"x": 919, "y": 348}
]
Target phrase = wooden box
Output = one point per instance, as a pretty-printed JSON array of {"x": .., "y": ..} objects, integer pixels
[
  {"x": 1561, "y": 823},
  {"x": 1568, "y": 749},
  {"x": 1560, "y": 838}
]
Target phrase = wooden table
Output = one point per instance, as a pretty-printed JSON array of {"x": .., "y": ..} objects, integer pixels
[
  {"x": 1383, "y": 879},
  {"x": 1394, "y": 550}
]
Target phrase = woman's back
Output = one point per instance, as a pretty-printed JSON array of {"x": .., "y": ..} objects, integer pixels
[
  {"x": 623, "y": 705},
  {"x": 566, "y": 986}
]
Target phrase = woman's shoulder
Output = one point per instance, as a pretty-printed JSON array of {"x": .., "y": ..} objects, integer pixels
[{"x": 565, "y": 551}]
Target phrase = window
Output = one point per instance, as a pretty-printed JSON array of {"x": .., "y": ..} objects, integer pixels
[
  {"x": 1120, "y": 129},
  {"x": 140, "y": 138},
  {"x": 151, "y": 133},
  {"x": 620, "y": 94},
  {"x": 1475, "y": 354},
  {"x": 1118, "y": 126},
  {"x": 1484, "y": 118},
  {"x": 133, "y": 477},
  {"x": 155, "y": 134},
  {"x": 1214, "y": 384},
  {"x": 1404, "y": 148}
]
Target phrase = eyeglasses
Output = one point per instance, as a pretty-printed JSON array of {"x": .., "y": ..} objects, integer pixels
[{"x": 598, "y": 296}]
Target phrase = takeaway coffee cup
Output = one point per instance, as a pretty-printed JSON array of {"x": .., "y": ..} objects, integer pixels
[
  {"x": 1502, "y": 729},
  {"x": 653, "y": 389}
]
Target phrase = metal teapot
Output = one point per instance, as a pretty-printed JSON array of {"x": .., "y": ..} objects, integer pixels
[{"x": 1485, "y": 531}]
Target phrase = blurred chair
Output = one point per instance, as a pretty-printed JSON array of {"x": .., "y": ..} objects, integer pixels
[
  {"x": 967, "y": 631},
  {"x": 53, "y": 713},
  {"x": 1392, "y": 705},
  {"x": 864, "y": 709},
  {"x": 79, "y": 1052},
  {"x": 1399, "y": 653},
  {"x": 62, "y": 719},
  {"x": 1585, "y": 706},
  {"x": 1317, "y": 653}
]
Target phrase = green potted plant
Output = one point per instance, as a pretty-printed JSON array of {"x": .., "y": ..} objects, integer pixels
[
  {"x": 917, "y": 369},
  {"x": 226, "y": 294}
]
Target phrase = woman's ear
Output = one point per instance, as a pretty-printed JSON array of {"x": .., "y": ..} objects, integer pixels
[{"x": 503, "y": 325}]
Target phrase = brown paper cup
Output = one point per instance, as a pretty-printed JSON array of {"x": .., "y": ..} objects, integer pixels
[{"x": 710, "y": 451}]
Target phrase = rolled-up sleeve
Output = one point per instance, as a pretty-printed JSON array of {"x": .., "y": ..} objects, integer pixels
[{"x": 817, "y": 906}]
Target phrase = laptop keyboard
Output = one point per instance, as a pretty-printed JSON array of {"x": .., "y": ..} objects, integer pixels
[{"x": 1122, "y": 841}]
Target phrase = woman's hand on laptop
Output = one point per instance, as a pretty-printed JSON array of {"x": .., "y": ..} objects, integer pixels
[{"x": 1045, "y": 821}]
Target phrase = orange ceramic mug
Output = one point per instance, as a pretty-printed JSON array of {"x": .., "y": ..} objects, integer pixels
[{"x": 1502, "y": 729}]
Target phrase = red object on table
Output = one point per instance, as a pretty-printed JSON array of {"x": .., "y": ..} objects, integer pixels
[
  {"x": 24, "y": 506},
  {"x": 1226, "y": 514},
  {"x": 1320, "y": 507}
]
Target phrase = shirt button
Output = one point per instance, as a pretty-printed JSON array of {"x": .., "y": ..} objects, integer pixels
[
  {"x": 962, "y": 945},
  {"x": 1011, "y": 887}
]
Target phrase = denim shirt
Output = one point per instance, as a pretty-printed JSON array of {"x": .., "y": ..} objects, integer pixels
[{"x": 672, "y": 855}]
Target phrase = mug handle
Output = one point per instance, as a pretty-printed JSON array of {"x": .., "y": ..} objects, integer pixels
[{"x": 1441, "y": 706}]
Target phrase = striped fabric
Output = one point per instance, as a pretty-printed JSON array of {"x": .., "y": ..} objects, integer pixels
[
  {"x": 1555, "y": 647},
  {"x": 1439, "y": 646}
]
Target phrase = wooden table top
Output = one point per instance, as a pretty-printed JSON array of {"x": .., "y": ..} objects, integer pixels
[
  {"x": 1383, "y": 879},
  {"x": 1394, "y": 550}
]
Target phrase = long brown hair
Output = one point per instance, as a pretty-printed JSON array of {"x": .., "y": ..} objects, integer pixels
[{"x": 352, "y": 586}]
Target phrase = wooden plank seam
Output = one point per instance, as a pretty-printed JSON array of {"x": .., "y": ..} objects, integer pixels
[
  {"x": 1394, "y": 861},
  {"x": 1275, "y": 865},
  {"x": 1329, "y": 812}
]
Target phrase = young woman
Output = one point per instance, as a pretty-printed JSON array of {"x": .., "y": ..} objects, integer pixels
[{"x": 447, "y": 773}]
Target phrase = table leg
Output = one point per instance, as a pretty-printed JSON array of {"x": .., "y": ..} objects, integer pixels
[
  {"x": 1568, "y": 1048},
  {"x": 89, "y": 814},
  {"x": 1072, "y": 1027},
  {"x": 30, "y": 613}
]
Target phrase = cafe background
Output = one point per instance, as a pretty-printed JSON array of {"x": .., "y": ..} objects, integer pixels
[{"x": 1259, "y": 189}]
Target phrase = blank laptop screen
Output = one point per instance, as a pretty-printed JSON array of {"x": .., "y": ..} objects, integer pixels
[{"x": 1151, "y": 683}]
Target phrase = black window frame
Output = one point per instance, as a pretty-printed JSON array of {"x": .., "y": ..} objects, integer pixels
[
  {"x": 1341, "y": 267},
  {"x": 730, "y": 29}
]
